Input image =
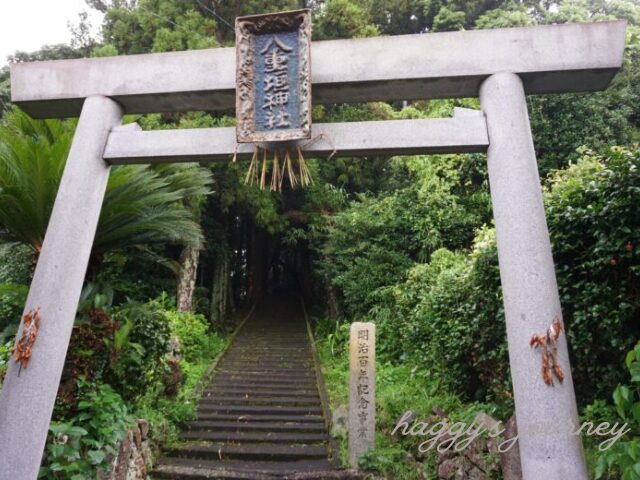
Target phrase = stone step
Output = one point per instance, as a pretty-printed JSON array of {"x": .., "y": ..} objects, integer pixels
[
  {"x": 280, "y": 366},
  {"x": 256, "y": 437},
  {"x": 250, "y": 392},
  {"x": 263, "y": 382},
  {"x": 273, "y": 374},
  {"x": 229, "y": 400},
  {"x": 193, "y": 469},
  {"x": 218, "y": 386},
  {"x": 260, "y": 417},
  {"x": 264, "y": 451},
  {"x": 266, "y": 409},
  {"x": 222, "y": 426}
]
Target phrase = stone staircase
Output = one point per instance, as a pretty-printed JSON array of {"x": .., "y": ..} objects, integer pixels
[{"x": 261, "y": 417}]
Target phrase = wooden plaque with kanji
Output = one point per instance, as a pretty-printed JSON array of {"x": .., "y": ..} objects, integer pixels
[{"x": 273, "y": 77}]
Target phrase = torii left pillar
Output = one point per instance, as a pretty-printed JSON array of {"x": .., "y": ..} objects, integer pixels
[{"x": 27, "y": 397}]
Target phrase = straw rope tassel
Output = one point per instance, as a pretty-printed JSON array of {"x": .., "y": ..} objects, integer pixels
[
  {"x": 248, "y": 176},
  {"x": 275, "y": 174},
  {"x": 305, "y": 174},
  {"x": 297, "y": 171},
  {"x": 263, "y": 175},
  {"x": 293, "y": 181}
]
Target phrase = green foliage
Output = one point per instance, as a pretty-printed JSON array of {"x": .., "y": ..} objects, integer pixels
[
  {"x": 142, "y": 205},
  {"x": 500, "y": 18},
  {"x": 443, "y": 308},
  {"x": 623, "y": 458},
  {"x": 15, "y": 275},
  {"x": 139, "y": 347},
  {"x": 5, "y": 89},
  {"x": 453, "y": 323},
  {"x": 13, "y": 296},
  {"x": 32, "y": 156},
  {"x": 192, "y": 331},
  {"x": 592, "y": 213},
  {"x": 399, "y": 388},
  {"x": 199, "y": 346},
  {"x": 343, "y": 19},
  {"x": 158, "y": 26},
  {"x": 5, "y": 356},
  {"x": 371, "y": 245},
  {"x": 87, "y": 442},
  {"x": 104, "y": 51},
  {"x": 448, "y": 20}
]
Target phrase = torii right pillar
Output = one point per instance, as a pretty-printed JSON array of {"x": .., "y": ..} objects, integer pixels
[{"x": 546, "y": 415}]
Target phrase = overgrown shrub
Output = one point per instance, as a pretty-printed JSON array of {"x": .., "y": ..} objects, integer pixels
[
  {"x": 447, "y": 312},
  {"x": 84, "y": 444},
  {"x": 372, "y": 243},
  {"x": 12, "y": 299},
  {"x": 5, "y": 355},
  {"x": 594, "y": 220},
  {"x": 139, "y": 347},
  {"x": 192, "y": 331},
  {"x": 453, "y": 317},
  {"x": 622, "y": 459},
  {"x": 15, "y": 275}
]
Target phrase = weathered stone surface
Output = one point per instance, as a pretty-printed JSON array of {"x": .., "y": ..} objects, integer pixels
[
  {"x": 26, "y": 400},
  {"x": 510, "y": 460},
  {"x": 478, "y": 461},
  {"x": 486, "y": 421},
  {"x": 362, "y": 386},
  {"x": 531, "y": 302},
  {"x": 134, "y": 455},
  {"x": 462, "y": 133},
  {"x": 451, "y": 468},
  {"x": 143, "y": 425},
  {"x": 434, "y": 65}
]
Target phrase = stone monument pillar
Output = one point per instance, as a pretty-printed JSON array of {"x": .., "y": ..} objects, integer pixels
[
  {"x": 548, "y": 449},
  {"x": 362, "y": 390},
  {"x": 27, "y": 396}
]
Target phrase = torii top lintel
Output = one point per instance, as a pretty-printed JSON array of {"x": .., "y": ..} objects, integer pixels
[{"x": 549, "y": 59}]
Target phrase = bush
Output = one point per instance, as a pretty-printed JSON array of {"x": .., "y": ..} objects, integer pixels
[
  {"x": 13, "y": 296},
  {"x": 454, "y": 320},
  {"x": 15, "y": 275},
  {"x": 447, "y": 312},
  {"x": 623, "y": 458},
  {"x": 15, "y": 263},
  {"x": 192, "y": 331},
  {"x": 86, "y": 443},
  {"x": 372, "y": 244},
  {"x": 139, "y": 347},
  {"x": 593, "y": 215},
  {"x": 5, "y": 356}
]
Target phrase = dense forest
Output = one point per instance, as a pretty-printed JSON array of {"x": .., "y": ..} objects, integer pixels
[{"x": 405, "y": 242}]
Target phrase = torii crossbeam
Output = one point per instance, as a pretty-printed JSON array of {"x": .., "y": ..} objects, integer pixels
[{"x": 499, "y": 66}]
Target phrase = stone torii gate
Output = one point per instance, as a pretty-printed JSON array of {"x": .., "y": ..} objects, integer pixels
[{"x": 499, "y": 66}]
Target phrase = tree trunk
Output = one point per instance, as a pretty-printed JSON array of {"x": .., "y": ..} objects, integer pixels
[
  {"x": 333, "y": 299},
  {"x": 219, "y": 290},
  {"x": 187, "y": 278}
]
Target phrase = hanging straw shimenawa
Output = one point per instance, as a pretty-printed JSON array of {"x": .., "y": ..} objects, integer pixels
[{"x": 273, "y": 96}]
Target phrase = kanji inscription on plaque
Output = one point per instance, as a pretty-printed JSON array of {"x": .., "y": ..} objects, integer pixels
[
  {"x": 362, "y": 386},
  {"x": 273, "y": 91}
]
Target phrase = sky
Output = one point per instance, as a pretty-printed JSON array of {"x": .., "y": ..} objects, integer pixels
[{"x": 28, "y": 24}]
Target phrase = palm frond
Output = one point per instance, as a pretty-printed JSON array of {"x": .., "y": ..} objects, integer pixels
[{"x": 142, "y": 205}]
